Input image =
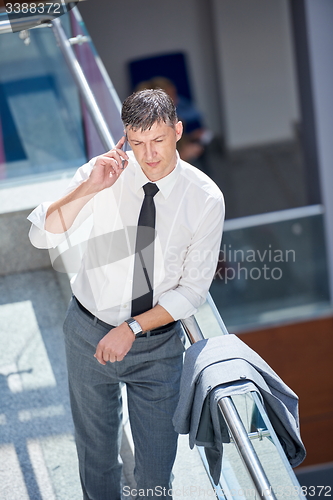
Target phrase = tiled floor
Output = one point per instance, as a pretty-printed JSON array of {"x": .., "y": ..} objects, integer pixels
[{"x": 37, "y": 451}]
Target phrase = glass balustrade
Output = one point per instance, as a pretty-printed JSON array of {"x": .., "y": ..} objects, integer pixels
[
  {"x": 45, "y": 125},
  {"x": 40, "y": 112},
  {"x": 100, "y": 84},
  {"x": 235, "y": 481}
]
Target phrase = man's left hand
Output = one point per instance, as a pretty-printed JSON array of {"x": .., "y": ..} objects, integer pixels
[{"x": 115, "y": 345}]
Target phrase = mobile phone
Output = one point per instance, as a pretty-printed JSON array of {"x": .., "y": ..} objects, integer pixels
[{"x": 124, "y": 149}]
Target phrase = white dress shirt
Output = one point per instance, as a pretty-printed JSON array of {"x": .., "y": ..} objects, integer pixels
[{"x": 99, "y": 247}]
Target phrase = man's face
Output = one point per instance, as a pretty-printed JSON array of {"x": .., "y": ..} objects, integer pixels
[{"x": 155, "y": 149}]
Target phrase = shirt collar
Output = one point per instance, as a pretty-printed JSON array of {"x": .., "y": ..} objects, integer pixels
[{"x": 165, "y": 185}]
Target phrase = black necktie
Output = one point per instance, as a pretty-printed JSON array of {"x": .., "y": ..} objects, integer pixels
[{"x": 142, "y": 292}]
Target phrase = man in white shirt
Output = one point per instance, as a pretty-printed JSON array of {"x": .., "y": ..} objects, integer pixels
[{"x": 105, "y": 344}]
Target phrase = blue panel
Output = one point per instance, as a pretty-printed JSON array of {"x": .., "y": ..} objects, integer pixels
[
  {"x": 172, "y": 66},
  {"x": 14, "y": 150},
  {"x": 30, "y": 85}
]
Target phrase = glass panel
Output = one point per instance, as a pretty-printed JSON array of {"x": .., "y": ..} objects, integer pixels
[
  {"x": 275, "y": 465},
  {"x": 40, "y": 112},
  {"x": 101, "y": 86},
  {"x": 235, "y": 482},
  {"x": 208, "y": 322},
  {"x": 272, "y": 272}
]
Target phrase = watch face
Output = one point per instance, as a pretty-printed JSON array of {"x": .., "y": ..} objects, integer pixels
[{"x": 135, "y": 327}]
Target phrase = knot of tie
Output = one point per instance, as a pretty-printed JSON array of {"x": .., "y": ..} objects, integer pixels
[{"x": 150, "y": 189}]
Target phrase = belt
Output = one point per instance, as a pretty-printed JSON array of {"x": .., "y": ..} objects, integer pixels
[{"x": 156, "y": 331}]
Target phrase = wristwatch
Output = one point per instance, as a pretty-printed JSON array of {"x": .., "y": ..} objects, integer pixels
[{"x": 134, "y": 326}]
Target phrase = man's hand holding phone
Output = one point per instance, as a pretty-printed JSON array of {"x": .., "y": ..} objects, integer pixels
[{"x": 109, "y": 166}]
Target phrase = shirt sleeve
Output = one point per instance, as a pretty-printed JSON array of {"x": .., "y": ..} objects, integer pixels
[
  {"x": 39, "y": 237},
  {"x": 199, "y": 264}
]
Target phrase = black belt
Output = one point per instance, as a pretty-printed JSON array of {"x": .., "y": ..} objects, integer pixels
[{"x": 156, "y": 331}]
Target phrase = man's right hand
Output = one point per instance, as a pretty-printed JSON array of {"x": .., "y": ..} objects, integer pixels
[{"x": 108, "y": 167}]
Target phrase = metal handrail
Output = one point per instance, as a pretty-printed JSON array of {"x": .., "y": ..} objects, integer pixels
[
  {"x": 106, "y": 79},
  {"x": 83, "y": 86},
  {"x": 231, "y": 416},
  {"x": 246, "y": 449},
  {"x": 237, "y": 430},
  {"x": 273, "y": 217},
  {"x": 22, "y": 24}
]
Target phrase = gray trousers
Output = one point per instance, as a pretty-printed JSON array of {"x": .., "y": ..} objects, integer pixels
[{"x": 151, "y": 371}]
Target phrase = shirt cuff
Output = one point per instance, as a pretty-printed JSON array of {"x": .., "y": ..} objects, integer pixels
[
  {"x": 178, "y": 306},
  {"x": 39, "y": 237},
  {"x": 38, "y": 215}
]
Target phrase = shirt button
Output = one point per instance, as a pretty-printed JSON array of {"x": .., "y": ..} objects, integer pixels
[{"x": 125, "y": 306}]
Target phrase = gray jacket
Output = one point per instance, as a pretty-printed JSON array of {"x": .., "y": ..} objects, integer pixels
[{"x": 225, "y": 366}]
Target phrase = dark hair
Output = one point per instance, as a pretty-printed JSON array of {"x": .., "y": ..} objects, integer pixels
[{"x": 144, "y": 108}]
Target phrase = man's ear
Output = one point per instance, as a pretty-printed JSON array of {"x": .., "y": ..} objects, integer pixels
[{"x": 179, "y": 130}]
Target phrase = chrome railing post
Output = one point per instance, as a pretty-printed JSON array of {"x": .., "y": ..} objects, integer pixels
[
  {"x": 83, "y": 86},
  {"x": 245, "y": 448},
  {"x": 192, "y": 329}
]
